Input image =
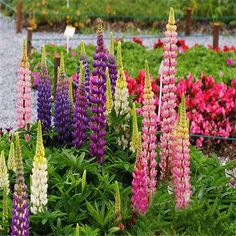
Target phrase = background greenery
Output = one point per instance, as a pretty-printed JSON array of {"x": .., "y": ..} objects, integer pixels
[
  {"x": 56, "y": 11},
  {"x": 195, "y": 60}
]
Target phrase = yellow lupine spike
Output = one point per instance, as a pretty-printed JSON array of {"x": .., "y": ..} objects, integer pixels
[
  {"x": 40, "y": 153},
  {"x": 24, "y": 59},
  {"x": 77, "y": 230},
  {"x": 171, "y": 20},
  {"x": 83, "y": 181},
  {"x": 147, "y": 76},
  {"x": 19, "y": 162},
  {"x": 117, "y": 200},
  {"x": 111, "y": 50},
  {"x": 121, "y": 80},
  {"x": 119, "y": 57},
  {"x": 99, "y": 26},
  {"x": 183, "y": 116},
  {"x": 11, "y": 163},
  {"x": 2, "y": 164},
  {"x": 43, "y": 57},
  {"x": 5, "y": 205},
  {"x": 135, "y": 133},
  {"x": 62, "y": 65},
  {"x": 71, "y": 91},
  {"x": 82, "y": 49},
  {"x": 109, "y": 101},
  {"x": 82, "y": 72}
]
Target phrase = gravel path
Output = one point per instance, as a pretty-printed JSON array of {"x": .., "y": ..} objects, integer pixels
[{"x": 10, "y": 52}]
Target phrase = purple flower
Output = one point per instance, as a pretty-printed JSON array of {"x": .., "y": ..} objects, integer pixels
[
  {"x": 80, "y": 115},
  {"x": 98, "y": 99},
  {"x": 229, "y": 61},
  {"x": 62, "y": 107},
  {"x": 44, "y": 95}
]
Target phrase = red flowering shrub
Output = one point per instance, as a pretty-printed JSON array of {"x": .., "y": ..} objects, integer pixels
[
  {"x": 211, "y": 107},
  {"x": 138, "y": 41}
]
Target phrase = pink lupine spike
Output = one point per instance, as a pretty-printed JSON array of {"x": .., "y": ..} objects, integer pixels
[{"x": 168, "y": 114}]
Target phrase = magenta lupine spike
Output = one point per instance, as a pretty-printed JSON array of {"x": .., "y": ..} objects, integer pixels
[
  {"x": 20, "y": 208},
  {"x": 98, "y": 99},
  {"x": 139, "y": 198},
  {"x": 80, "y": 114},
  {"x": 24, "y": 91},
  {"x": 181, "y": 160},
  {"x": 149, "y": 129},
  {"x": 168, "y": 114},
  {"x": 111, "y": 63}
]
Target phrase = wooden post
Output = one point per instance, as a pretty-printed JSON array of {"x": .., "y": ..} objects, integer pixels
[
  {"x": 188, "y": 21},
  {"x": 216, "y": 30},
  {"x": 29, "y": 40},
  {"x": 19, "y": 16},
  {"x": 56, "y": 65}
]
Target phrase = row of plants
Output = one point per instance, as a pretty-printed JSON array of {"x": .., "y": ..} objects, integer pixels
[
  {"x": 55, "y": 11},
  {"x": 99, "y": 168},
  {"x": 221, "y": 65}
]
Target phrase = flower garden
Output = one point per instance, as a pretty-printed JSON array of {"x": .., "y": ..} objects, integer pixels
[{"x": 118, "y": 149}]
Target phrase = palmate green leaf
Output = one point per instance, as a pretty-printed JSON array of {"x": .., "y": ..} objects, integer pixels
[{"x": 88, "y": 231}]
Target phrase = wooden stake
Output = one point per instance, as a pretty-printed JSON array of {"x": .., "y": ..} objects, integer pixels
[
  {"x": 56, "y": 65},
  {"x": 29, "y": 40},
  {"x": 19, "y": 16},
  {"x": 188, "y": 21},
  {"x": 216, "y": 31}
]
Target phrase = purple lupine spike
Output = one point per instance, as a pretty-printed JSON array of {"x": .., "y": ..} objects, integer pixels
[
  {"x": 44, "y": 95},
  {"x": 62, "y": 107},
  {"x": 111, "y": 63},
  {"x": 98, "y": 99},
  {"x": 84, "y": 59},
  {"x": 20, "y": 207},
  {"x": 80, "y": 115}
]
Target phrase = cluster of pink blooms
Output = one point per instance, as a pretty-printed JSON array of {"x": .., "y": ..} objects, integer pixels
[
  {"x": 24, "y": 91},
  {"x": 210, "y": 106}
]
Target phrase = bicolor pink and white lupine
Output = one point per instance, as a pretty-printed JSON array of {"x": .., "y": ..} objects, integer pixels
[
  {"x": 24, "y": 91},
  {"x": 149, "y": 129},
  {"x": 168, "y": 114}
]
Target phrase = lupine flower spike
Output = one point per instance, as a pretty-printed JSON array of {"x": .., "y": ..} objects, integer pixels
[
  {"x": 149, "y": 129},
  {"x": 5, "y": 212},
  {"x": 4, "y": 176},
  {"x": 71, "y": 98},
  {"x": 44, "y": 94},
  {"x": 111, "y": 63},
  {"x": 135, "y": 137},
  {"x": 20, "y": 208},
  {"x": 168, "y": 114},
  {"x": 139, "y": 199},
  {"x": 121, "y": 103},
  {"x": 80, "y": 115},
  {"x": 109, "y": 100},
  {"x": 24, "y": 91},
  {"x": 39, "y": 176},
  {"x": 84, "y": 59},
  {"x": 98, "y": 99},
  {"x": 62, "y": 107},
  {"x": 181, "y": 160},
  {"x": 77, "y": 230},
  {"x": 117, "y": 203}
]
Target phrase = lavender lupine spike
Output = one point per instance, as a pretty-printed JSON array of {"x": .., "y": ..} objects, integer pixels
[
  {"x": 168, "y": 114},
  {"x": 80, "y": 115},
  {"x": 44, "y": 95},
  {"x": 62, "y": 107},
  {"x": 98, "y": 99},
  {"x": 111, "y": 63},
  {"x": 24, "y": 91},
  {"x": 84, "y": 59},
  {"x": 20, "y": 208}
]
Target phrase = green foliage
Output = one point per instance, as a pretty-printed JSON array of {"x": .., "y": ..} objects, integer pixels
[
  {"x": 195, "y": 60},
  {"x": 92, "y": 204}
]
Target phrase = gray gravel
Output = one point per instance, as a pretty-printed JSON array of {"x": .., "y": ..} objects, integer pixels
[{"x": 10, "y": 51}]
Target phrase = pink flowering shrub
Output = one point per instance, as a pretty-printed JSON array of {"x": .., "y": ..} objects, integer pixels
[{"x": 211, "y": 107}]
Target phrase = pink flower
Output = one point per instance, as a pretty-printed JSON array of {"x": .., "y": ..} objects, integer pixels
[
  {"x": 27, "y": 137},
  {"x": 229, "y": 61},
  {"x": 73, "y": 53},
  {"x": 221, "y": 74},
  {"x": 233, "y": 83}
]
